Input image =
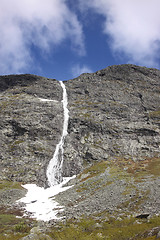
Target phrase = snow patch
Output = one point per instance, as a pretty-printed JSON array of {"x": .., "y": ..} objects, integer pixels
[
  {"x": 40, "y": 203},
  {"x": 47, "y": 100}
]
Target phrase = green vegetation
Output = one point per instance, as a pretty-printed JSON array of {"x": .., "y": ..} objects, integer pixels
[
  {"x": 4, "y": 185},
  {"x": 21, "y": 227},
  {"x": 141, "y": 169},
  {"x": 95, "y": 169},
  {"x": 87, "y": 180},
  {"x": 154, "y": 114},
  {"x": 119, "y": 169},
  {"x": 85, "y": 228},
  {"x": 15, "y": 144},
  {"x": 103, "y": 225},
  {"x": 13, "y": 228},
  {"x": 110, "y": 229},
  {"x": 86, "y": 115},
  {"x": 92, "y": 179}
]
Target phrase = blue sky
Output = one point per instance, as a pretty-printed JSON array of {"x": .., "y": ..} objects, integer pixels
[{"x": 63, "y": 38}]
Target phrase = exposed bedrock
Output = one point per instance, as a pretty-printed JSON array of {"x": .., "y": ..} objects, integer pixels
[
  {"x": 30, "y": 126},
  {"x": 113, "y": 113}
]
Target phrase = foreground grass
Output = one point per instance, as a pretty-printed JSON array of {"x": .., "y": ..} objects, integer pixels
[
  {"x": 86, "y": 229},
  {"x": 4, "y": 185},
  {"x": 13, "y": 228},
  {"x": 112, "y": 229},
  {"x": 102, "y": 225}
]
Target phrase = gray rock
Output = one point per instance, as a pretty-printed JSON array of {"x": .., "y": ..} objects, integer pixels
[
  {"x": 114, "y": 113},
  {"x": 36, "y": 234},
  {"x": 31, "y": 237},
  {"x": 158, "y": 235},
  {"x": 30, "y": 128}
]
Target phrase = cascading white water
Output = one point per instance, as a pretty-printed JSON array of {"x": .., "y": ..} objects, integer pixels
[
  {"x": 39, "y": 202},
  {"x": 54, "y": 170}
]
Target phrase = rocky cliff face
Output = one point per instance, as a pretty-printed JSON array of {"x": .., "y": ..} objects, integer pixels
[
  {"x": 114, "y": 113},
  {"x": 30, "y": 126}
]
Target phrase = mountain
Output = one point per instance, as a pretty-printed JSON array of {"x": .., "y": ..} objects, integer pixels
[
  {"x": 113, "y": 113},
  {"x": 113, "y": 141}
]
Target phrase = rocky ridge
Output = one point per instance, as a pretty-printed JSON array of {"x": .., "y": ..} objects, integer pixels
[{"x": 113, "y": 113}]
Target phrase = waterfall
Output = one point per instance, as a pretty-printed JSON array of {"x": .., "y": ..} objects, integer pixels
[
  {"x": 40, "y": 202},
  {"x": 54, "y": 170}
]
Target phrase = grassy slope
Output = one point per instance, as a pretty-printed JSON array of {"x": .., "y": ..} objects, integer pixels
[
  {"x": 100, "y": 226},
  {"x": 11, "y": 227},
  {"x": 108, "y": 226}
]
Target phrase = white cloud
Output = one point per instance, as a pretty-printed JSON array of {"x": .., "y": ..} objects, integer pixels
[
  {"x": 78, "y": 69},
  {"x": 34, "y": 22},
  {"x": 133, "y": 25}
]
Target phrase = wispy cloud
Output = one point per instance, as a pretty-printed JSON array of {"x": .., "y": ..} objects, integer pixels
[
  {"x": 78, "y": 69},
  {"x": 133, "y": 27},
  {"x": 28, "y": 23}
]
